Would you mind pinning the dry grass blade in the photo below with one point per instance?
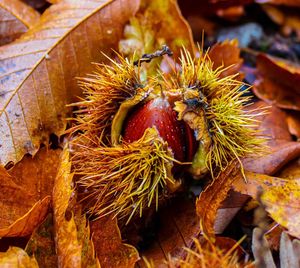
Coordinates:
(37, 78)
(15, 19)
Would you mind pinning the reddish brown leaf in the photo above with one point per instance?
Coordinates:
(211, 198)
(15, 19)
(24, 198)
(17, 258)
(281, 149)
(280, 154)
(109, 248)
(39, 70)
(278, 83)
(226, 54)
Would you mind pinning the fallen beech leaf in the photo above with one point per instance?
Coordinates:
(278, 82)
(38, 71)
(15, 19)
(283, 205)
(24, 198)
(17, 258)
(41, 244)
(109, 248)
(27, 223)
(211, 198)
(226, 54)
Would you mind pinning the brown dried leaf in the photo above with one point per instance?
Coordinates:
(226, 54)
(26, 224)
(211, 198)
(15, 19)
(278, 82)
(38, 71)
(17, 258)
(24, 198)
(42, 245)
(178, 226)
(281, 150)
(109, 247)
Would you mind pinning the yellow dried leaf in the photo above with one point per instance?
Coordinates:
(283, 205)
(17, 258)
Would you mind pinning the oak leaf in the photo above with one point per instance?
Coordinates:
(37, 78)
(25, 194)
(17, 258)
(15, 19)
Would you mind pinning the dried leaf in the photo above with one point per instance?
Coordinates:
(211, 198)
(283, 205)
(178, 226)
(278, 83)
(293, 121)
(39, 70)
(24, 199)
(15, 19)
(256, 183)
(226, 54)
(157, 23)
(42, 245)
(67, 245)
(287, 18)
(27, 223)
(17, 258)
(281, 150)
(109, 247)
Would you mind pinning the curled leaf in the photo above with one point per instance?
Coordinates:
(211, 198)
